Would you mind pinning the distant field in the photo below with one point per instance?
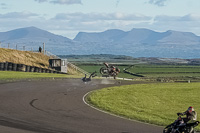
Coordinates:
(164, 69)
(153, 71)
(167, 71)
(100, 59)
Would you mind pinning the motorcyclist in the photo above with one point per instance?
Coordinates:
(191, 116)
(181, 124)
(115, 70)
(110, 70)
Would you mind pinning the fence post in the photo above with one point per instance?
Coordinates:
(43, 48)
(0, 44)
(8, 45)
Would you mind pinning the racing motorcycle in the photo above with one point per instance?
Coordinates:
(180, 127)
(109, 70)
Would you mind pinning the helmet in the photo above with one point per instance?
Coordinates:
(190, 109)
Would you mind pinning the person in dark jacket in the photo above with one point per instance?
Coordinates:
(40, 49)
(191, 116)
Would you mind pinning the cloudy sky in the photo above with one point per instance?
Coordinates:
(68, 17)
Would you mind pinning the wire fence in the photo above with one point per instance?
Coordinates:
(19, 47)
(33, 48)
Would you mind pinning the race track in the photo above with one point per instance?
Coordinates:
(57, 107)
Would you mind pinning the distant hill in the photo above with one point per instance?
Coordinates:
(142, 43)
(32, 38)
(136, 42)
(108, 35)
(31, 34)
(140, 36)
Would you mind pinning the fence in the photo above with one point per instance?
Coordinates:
(19, 47)
(77, 68)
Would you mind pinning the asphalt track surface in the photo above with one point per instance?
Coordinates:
(57, 107)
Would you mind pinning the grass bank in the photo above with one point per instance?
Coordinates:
(24, 57)
(155, 103)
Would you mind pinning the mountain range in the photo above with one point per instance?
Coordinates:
(140, 36)
(136, 42)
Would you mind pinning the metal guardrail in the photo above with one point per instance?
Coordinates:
(52, 55)
(77, 68)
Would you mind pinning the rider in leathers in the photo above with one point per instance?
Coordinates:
(191, 116)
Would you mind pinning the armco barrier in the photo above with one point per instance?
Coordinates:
(9, 66)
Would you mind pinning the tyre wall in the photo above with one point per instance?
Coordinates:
(9, 66)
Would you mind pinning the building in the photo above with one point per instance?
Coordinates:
(58, 64)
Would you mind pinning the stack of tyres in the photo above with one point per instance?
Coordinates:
(14, 67)
(36, 69)
(43, 70)
(10, 66)
(1, 66)
(5, 66)
(47, 71)
(32, 68)
(27, 68)
(21, 67)
(39, 70)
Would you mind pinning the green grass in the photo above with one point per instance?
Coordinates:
(155, 103)
(165, 69)
(7, 75)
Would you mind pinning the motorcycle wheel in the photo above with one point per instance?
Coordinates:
(104, 71)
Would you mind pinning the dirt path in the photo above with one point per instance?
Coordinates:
(57, 107)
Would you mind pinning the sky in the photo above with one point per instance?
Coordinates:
(68, 17)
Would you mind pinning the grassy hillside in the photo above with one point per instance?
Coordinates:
(29, 58)
(24, 57)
